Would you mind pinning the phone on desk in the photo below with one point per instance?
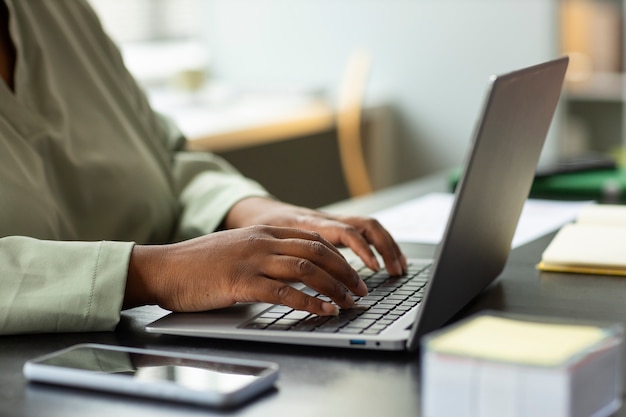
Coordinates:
(195, 379)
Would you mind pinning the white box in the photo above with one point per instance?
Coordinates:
(521, 366)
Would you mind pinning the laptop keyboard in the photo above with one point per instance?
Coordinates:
(389, 298)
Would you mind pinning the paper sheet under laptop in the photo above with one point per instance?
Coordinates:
(423, 220)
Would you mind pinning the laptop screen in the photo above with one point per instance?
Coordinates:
(495, 183)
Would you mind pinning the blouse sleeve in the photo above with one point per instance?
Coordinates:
(208, 187)
(52, 286)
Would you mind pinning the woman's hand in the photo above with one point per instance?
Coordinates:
(357, 233)
(243, 265)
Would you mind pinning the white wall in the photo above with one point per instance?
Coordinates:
(432, 58)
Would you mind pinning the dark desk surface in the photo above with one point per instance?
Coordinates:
(313, 381)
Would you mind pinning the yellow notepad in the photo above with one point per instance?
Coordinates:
(517, 341)
(594, 244)
(522, 366)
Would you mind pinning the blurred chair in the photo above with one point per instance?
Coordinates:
(350, 123)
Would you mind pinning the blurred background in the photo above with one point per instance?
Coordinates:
(324, 99)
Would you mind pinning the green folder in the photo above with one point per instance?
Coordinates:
(603, 185)
(608, 186)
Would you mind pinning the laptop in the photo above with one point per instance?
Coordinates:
(497, 176)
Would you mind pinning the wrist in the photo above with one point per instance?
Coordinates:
(250, 212)
(142, 270)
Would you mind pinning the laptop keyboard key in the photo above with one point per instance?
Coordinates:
(361, 323)
(350, 330)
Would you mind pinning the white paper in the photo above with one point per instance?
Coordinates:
(423, 220)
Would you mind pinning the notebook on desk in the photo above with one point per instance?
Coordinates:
(498, 173)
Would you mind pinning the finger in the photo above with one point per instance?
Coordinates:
(275, 292)
(312, 263)
(292, 233)
(381, 239)
(341, 233)
(359, 234)
(354, 239)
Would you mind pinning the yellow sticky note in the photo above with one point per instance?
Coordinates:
(509, 340)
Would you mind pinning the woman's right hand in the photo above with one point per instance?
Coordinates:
(252, 264)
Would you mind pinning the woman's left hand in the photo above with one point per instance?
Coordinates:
(356, 232)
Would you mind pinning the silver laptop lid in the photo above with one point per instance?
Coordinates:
(495, 183)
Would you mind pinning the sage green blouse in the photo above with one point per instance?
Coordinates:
(86, 170)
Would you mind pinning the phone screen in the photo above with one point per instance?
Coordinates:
(197, 375)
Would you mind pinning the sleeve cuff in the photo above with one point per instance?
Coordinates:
(54, 286)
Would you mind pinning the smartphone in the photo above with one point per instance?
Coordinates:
(195, 379)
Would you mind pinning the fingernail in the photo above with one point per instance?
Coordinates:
(348, 300)
(330, 309)
(375, 264)
(405, 264)
(362, 288)
(400, 267)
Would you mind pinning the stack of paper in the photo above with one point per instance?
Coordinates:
(492, 365)
(424, 219)
(595, 243)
